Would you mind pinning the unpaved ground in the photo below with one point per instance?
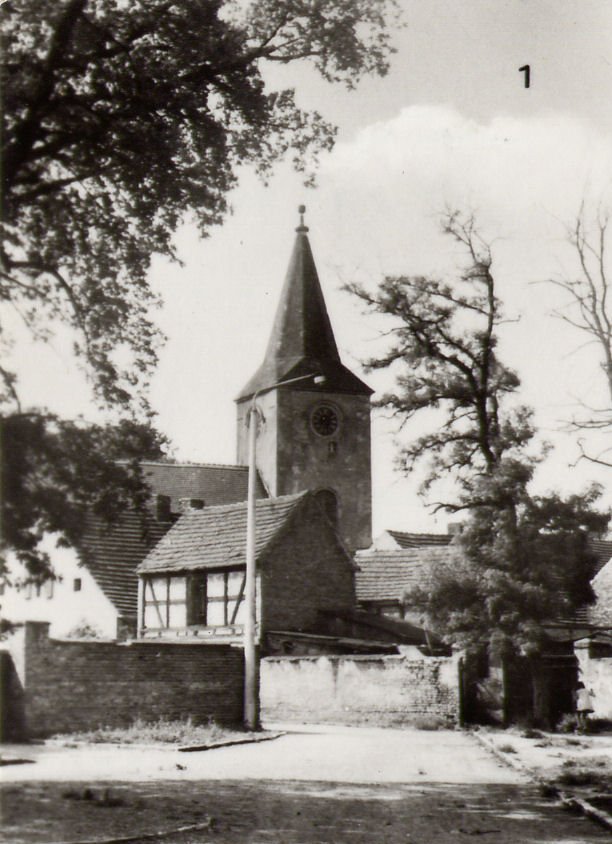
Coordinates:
(291, 813)
(579, 764)
(322, 784)
(331, 754)
(552, 754)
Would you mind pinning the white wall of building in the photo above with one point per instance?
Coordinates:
(601, 611)
(72, 600)
(384, 542)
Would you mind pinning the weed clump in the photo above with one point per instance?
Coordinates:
(162, 731)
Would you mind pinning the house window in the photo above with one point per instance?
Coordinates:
(203, 599)
(165, 602)
(49, 586)
(217, 598)
(76, 584)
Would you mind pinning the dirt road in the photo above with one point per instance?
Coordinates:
(331, 785)
(334, 754)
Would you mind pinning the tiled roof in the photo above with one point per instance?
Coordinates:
(216, 484)
(302, 339)
(216, 536)
(603, 550)
(386, 575)
(418, 540)
(112, 554)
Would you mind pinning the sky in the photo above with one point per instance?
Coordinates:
(451, 125)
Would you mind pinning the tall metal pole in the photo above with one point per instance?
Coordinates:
(251, 715)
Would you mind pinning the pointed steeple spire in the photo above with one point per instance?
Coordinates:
(302, 339)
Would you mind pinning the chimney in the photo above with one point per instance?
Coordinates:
(190, 505)
(163, 509)
(455, 528)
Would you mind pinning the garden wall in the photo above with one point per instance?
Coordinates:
(376, 690)
(595, 671)
(70, 685)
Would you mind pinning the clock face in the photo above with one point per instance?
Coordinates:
(324, 420)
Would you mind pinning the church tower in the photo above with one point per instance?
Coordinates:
(314, 433)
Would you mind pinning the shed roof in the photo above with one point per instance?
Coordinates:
(216, 536)
(419, 540)
(386, 575)
(603, 551)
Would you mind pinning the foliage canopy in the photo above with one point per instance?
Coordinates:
(121, 120)
(521, 559)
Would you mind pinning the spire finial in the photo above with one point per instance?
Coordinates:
(302, 211)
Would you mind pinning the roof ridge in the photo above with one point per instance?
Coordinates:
(189, 465)
(394, 552)
(241, 505)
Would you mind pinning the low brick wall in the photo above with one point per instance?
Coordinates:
(78, 685)
(377, 690)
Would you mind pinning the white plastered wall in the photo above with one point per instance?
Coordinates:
(59, 603)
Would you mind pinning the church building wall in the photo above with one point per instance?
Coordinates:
(292, 457)
(267, 438)
(340, 462)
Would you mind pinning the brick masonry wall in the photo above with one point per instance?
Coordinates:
(387, 691)
(305, 571)
(78, 685)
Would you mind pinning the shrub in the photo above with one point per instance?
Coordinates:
(567, 724)
(162, 731)
(532, 734)
(506, 748)
(430, 722)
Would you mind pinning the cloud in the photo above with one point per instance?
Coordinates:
(553, 155)
(519, 173)
(382, 192)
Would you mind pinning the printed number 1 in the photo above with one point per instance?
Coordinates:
(527, 71)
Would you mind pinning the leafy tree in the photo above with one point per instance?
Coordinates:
(513, 570)
(522, 559)
(55, 472)
(122, 120)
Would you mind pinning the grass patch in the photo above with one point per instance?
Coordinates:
(581, 778)
(100, 797)
(161, 731)
(530, 733)
(430, 722)
(506, 748)
(588, 771)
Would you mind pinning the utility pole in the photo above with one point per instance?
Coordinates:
(251, 696)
